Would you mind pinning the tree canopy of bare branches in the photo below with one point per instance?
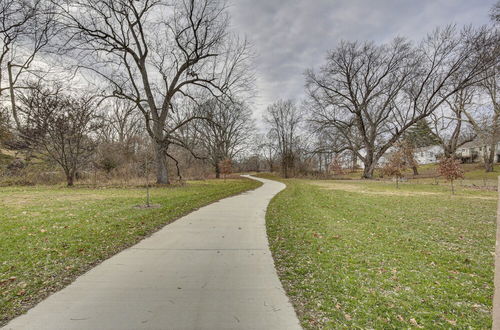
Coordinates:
(284, 119)
(156, 53)
(448, 123)
(225, 132)
(61, 126)
(26, 27)
(372, 94)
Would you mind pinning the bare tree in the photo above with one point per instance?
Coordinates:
(226, 167)
(155, 53)
(336, 165)
(225, 132)
(329, 145)
(378, 92)
(284, 119)
(267, 148)
(35, 106)
(122, 124)
(120, 136)
(396, 165)
(61, 126)
(449, 125)
(451, 169)
(485, 119)
(486, 122)
(355, 93)
(26, 27)
(124, 119)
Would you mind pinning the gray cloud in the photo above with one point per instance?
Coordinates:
(290, 36)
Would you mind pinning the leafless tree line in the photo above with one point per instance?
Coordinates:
(150, 67)
(367, 98)
(225, 133)
(284, 119)
(372, 94)
(121, 78)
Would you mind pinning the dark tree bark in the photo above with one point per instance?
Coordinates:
(161, 164)
(415, 170)
(490, 159)
(217, 171)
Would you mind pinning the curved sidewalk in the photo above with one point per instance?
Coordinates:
(211, 269)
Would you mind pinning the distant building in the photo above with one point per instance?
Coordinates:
(470, 152)
(428, 155)
(476, 151)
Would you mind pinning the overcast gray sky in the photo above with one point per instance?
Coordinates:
(290, 36)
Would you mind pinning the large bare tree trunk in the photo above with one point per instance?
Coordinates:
(369, 162)
(369, 169)
(70, 177)
(70, 180)
(489, 159)
(284, 169)
(217, 170)
(161, 164)
(287, 164)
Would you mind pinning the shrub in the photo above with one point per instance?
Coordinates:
(451, 169)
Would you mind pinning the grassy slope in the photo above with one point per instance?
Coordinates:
(365, 255)
(49, 235)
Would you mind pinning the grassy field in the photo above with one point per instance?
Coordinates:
(49, 235)
(357, 254)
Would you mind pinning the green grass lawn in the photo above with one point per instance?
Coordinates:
(49, 235)
(357, 254)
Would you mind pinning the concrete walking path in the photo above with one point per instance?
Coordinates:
(211, 269)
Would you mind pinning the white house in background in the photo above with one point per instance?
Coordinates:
(470, 152)
(428, 155)
(476, 151)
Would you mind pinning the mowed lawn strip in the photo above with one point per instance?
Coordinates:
(50, 235)
(354, 254)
